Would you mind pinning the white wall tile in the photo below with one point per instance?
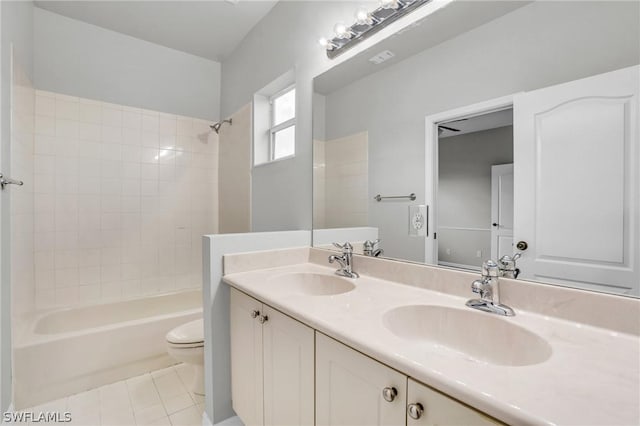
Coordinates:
(90, 113)
(45, 125)
(111, 116)
(116, 193)
(45, 105)
(66, 109)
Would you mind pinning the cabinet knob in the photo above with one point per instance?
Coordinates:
(415, 410)
(255, 313)
(263, 319)
(522, 245)
(389, 393)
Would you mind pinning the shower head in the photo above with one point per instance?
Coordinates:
(216, 127)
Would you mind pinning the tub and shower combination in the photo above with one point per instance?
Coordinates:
(65, 351)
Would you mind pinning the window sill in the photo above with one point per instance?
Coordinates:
(288, 157)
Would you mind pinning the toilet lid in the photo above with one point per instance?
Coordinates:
(187, 334)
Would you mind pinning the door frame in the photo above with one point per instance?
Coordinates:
(431, 159)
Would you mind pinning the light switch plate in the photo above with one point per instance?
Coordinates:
(418, 220)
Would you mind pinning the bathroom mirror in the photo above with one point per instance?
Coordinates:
(466, 144)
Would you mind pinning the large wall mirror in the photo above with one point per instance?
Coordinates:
(519, 135)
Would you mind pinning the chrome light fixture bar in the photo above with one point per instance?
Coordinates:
(366, 24)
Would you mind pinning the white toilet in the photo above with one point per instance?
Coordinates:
(186, 344)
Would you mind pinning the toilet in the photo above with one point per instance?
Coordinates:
(185, 343)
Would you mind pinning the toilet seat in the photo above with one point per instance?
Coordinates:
(189, 335)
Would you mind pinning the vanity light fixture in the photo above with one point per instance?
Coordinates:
(366, 24)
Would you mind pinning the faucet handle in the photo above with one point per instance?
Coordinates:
(508, 265)
(346, 247)
(490, 269)
(368, 244)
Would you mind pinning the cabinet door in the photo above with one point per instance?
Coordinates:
(439, 409)
(349, 387)
(288, 348)
(246, 358)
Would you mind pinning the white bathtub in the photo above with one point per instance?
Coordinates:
(63, 352)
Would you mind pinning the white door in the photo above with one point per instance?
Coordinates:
(288, 347)
(501, 210)
(439, 409)
(349, 388)
(246, 358)
(576, 158)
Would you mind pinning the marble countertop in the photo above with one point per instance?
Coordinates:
(591, 377)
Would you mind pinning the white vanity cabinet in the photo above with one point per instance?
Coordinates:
(272, 365)
(434, 408)
(350, 386)
(353, 389)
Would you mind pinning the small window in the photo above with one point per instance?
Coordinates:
(283, 124)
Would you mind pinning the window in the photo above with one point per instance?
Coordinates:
(274, 120)
(282, 129)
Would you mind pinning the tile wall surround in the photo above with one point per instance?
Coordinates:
(341, 182)
(234, 173)
(122, 198)
(319, 185)
(21, 198)
(611, 312)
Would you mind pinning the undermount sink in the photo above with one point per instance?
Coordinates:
(481, 336)
(312, 284)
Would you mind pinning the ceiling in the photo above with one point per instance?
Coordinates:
(479, 123)
(211, 29)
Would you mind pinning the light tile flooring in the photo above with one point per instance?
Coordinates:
(158, 398)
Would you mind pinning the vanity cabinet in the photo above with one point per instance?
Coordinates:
(272, 365)
(436, 408)
(353, 389)
(350, 386)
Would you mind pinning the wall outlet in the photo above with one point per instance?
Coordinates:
(479, 253)
(418, 221)
(448, 251)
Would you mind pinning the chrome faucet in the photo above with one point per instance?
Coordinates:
(345, 260)
(369, 248)
(488, 289)
(507, 265)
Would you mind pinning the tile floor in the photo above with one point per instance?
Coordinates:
(158, 398)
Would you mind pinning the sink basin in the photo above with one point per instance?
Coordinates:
(481, 336)
(312, 284)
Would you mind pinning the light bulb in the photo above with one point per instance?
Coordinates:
(389, 4)
(341, 30)
(324, 42)
(363, 17)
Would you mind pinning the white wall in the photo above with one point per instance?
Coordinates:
(16, 23)
(538, 45)
(84, 60)
(287, 38)
(216, 309)
(122, 198)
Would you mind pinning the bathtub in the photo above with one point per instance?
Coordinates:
(66, 351)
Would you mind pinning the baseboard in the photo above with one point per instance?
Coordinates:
(231, 421)
(206, 421)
